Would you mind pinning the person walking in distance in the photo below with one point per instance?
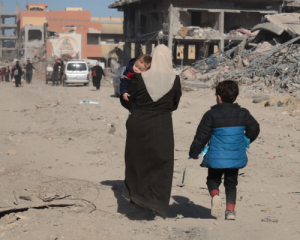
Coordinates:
(17, 74)
(61, 71)
(12, 72)
(7, 71)
(97, 73)
(55, 75)
(2, 73)
(29, 68)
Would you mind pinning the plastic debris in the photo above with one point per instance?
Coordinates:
(89, 102)
(179, 216)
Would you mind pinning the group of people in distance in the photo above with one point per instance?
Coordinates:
(15, 72)
(151, 91)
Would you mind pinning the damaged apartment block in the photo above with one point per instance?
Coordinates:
(8, 33)
(191, 28)
(31, 42)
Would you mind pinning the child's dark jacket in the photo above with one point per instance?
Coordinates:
(224, 127)
(128, 75)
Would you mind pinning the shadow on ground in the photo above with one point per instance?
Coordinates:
(182, 205)
(188, 209)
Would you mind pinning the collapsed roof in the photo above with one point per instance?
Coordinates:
(279, 23)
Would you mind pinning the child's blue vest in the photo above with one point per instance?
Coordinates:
(226, 149)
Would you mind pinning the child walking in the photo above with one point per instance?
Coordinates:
(136, 65)
(224, 127)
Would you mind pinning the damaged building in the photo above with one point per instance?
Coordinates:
(289, 6)
(71, 34)
(8, 33)
(191, 28)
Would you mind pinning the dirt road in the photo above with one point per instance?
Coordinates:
(62, 166)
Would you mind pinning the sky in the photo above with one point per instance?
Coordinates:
(98, 8)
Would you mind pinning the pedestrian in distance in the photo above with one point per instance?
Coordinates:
(7, 72)
(12, 72)
(2, 74)
(62, 65)
(97, 73)
(29, 68)
(56, 73)
(224, 127)
(17, 74)
(149, 152)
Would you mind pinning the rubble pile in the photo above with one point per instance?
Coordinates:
(207, 32)
(278, 67)
(273, 63)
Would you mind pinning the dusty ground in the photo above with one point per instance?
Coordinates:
(54, 149)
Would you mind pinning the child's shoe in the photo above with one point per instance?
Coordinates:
(216, 206)
(229, 215)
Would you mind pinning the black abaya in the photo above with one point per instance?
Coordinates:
(149, 153)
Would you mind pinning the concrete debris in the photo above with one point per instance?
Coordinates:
(12, 152)
(271, 64)
(279, 23)
(210, 33)
(259, 99)
(199, 32)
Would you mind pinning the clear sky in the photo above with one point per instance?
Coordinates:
(98, 8)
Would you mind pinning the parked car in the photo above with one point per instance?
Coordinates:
(76, 72)
(116, 80)
(49, 72)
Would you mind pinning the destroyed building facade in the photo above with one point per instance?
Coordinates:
(8, 33)
(291, 6)
(72, 33)
(191, 28)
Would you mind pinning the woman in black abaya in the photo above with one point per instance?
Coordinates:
(149, 153)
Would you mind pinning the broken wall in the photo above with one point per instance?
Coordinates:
(144, 17)
(31, 42)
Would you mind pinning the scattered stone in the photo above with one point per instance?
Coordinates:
(279, 104)
(112, 129)
(271, 104)
(12, 152)
(259, 99)
(266, 210)
(269, 220)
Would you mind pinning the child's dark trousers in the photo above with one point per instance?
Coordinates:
(214, 179)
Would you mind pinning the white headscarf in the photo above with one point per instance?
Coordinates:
(159, 79)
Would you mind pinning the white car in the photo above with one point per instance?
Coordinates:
(76, 72)
(116, 80)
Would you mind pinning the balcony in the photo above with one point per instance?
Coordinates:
(2, 37)
(7, 26)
